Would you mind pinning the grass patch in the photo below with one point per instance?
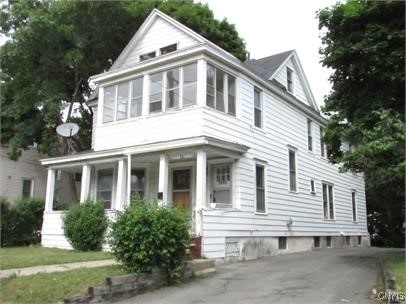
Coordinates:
(18, 257)
(53, 287)
(396, 264)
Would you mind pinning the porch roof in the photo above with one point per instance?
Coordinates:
(190, 142)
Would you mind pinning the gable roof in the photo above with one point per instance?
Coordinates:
(267, 66)
(145, 26)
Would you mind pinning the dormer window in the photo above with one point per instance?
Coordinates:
(168, 49)
(289, 77)
(147, 56)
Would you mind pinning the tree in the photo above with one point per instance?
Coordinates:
(55, 46)
(364, 42)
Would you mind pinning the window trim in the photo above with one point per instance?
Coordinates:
(32, 180)
(354, 213)
(294, 150)
(323, 150)
(289, 83)
(312, 186)
(328, 185)
(261, 100)
(264, 167)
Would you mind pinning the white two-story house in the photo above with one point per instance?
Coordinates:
(237, 144)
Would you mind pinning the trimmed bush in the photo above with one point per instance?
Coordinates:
(146, 236)
(21, 222)
(85, 225)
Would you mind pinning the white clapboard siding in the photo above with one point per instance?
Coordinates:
(281, 77)
(160, 34)
(283, 125)
(155, 128)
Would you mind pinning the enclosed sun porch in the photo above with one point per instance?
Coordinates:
(192, 174)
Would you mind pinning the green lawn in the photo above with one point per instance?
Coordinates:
(18, 257)
(396, 264)
(53, 287)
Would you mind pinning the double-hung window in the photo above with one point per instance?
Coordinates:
(221, 177)
(122, 100)
(138, 182)
(105, 187)
(109, 103)
(136, 97)
(354, 206)
(292, 170)
(172, 88)
(322, 145)
(328, 202)
(189, 84)
(257, 107)
(220, 90)
(28, 188)
(309, 135)
(260, 188)
(155, 93)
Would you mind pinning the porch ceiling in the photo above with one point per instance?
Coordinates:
(214, 147)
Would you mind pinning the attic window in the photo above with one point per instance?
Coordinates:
(147, 56)
(289, 77)
(168, 49)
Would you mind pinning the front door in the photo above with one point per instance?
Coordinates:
(181, 188)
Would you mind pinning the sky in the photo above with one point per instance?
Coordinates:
(273, 26)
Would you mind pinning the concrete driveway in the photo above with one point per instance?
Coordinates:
(323, 276)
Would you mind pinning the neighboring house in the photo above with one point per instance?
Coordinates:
(178, 119)
(22, 178)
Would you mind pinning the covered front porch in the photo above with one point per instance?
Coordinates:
(192, 174)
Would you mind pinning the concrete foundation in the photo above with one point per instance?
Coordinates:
(255, 247)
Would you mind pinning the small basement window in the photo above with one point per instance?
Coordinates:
(359, 240)
(282, 243)
(328, 241)
(168, 49)
(348, 240)
(317, 242)
(147, 56)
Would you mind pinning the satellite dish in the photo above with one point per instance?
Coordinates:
(67, 129)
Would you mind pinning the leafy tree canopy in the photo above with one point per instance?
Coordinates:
(55, 46)
(364, 43)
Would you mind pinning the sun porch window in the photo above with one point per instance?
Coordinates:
(138, 183)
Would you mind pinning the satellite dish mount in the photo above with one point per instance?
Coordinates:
(68, 130)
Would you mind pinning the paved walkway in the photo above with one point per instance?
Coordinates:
(54, 268)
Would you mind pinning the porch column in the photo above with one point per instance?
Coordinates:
(120, 185)
(128, 193)
(201, 184)
(85, 184)
(49, 198)
(163, 179)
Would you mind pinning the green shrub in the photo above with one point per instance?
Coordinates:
(21, 222)
(85, 225)
(146, 236)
